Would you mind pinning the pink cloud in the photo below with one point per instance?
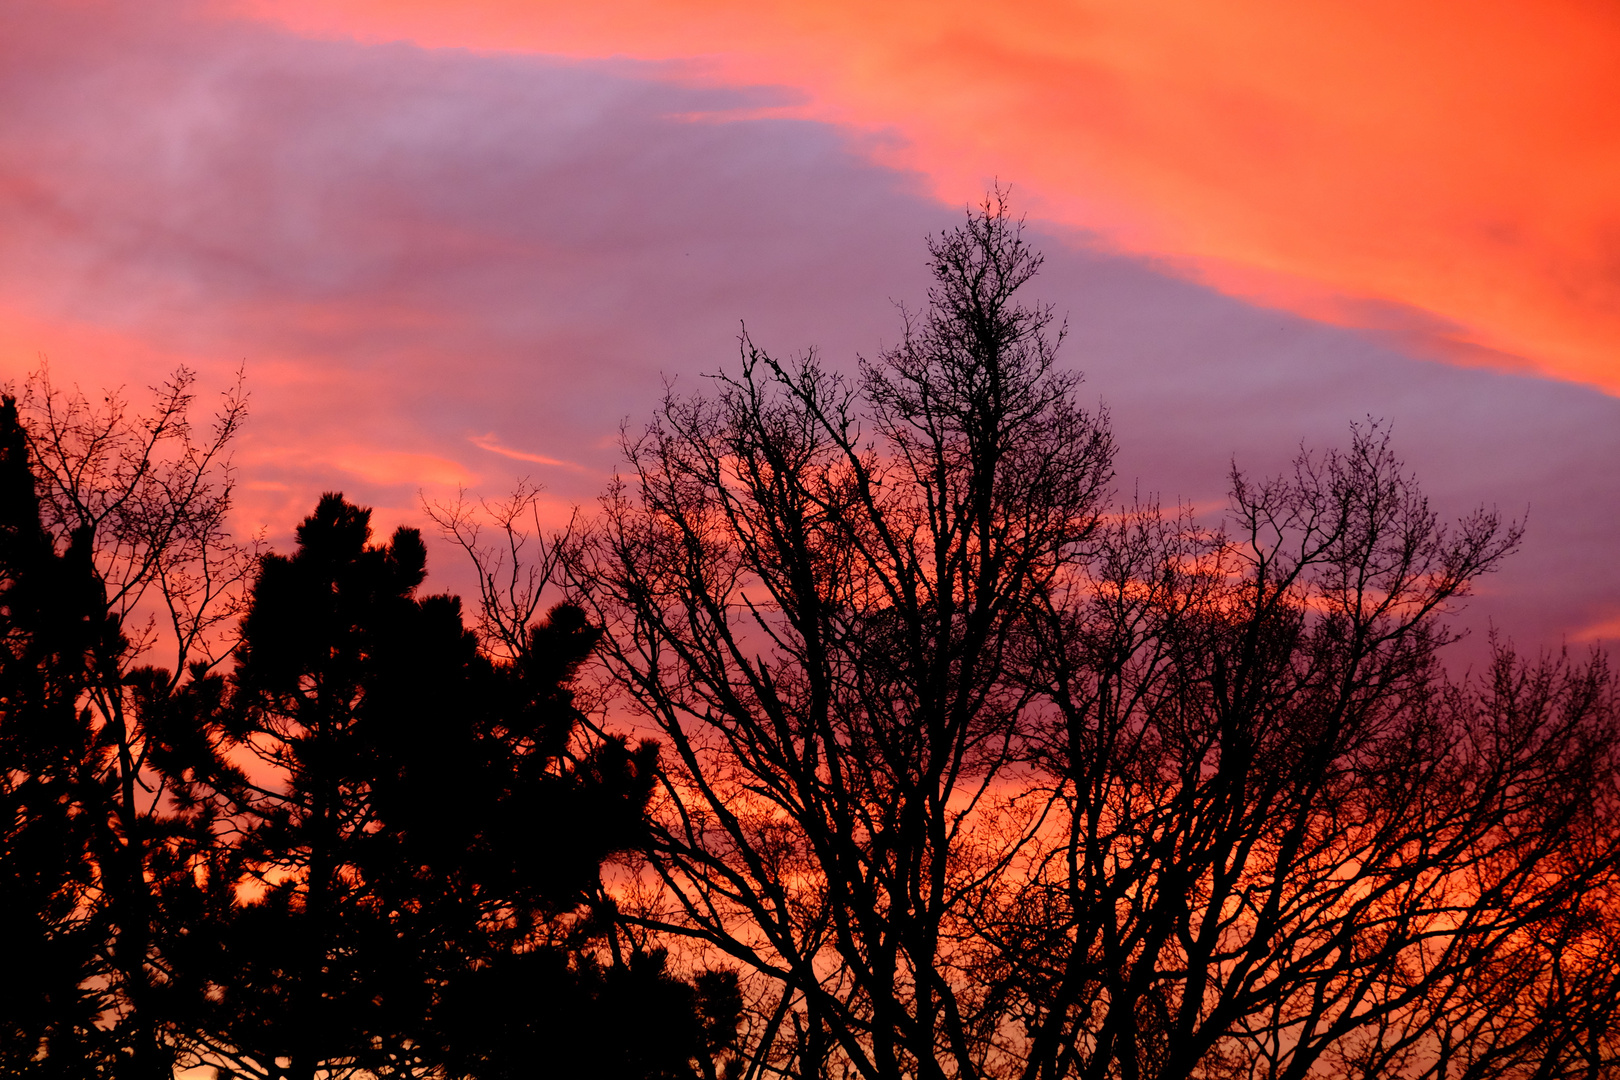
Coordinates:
(1452, 158)
(405, 246)
(493, 445)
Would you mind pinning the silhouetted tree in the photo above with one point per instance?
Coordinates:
(1284, 844)
(52, 623)
(544, 1013)
(964, 773)
(118, 520)
(814, 592)
(972, 780)
(424, 853)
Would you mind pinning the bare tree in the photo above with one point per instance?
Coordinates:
(1292, 847)
(147, 496)
(971, 779)
(813, 589)
(514, 570)
(153, 493)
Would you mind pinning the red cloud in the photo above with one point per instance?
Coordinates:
(1455, 161)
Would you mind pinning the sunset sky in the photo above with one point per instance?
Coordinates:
(453, 244)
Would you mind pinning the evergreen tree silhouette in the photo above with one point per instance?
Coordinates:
(427, 864)
(114, 544)
(52, 624)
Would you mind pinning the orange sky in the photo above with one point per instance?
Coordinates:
(1445, 172)
(468, 262)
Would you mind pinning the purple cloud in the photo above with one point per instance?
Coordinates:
(444, 267)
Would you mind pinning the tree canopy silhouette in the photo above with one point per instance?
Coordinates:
(346, 840)
(115, 545)
(962, 769)
(428, 859)
(975, 775)
(52, 624)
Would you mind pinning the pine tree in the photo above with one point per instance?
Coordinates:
(52, 625)
(428, 857)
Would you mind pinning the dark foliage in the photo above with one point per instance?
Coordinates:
(538, 1014)
(966, 772)
(52, 625)
(341, 857)
(429, 858)
(117, 547)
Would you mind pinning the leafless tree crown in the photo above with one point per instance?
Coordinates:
(971, 775)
